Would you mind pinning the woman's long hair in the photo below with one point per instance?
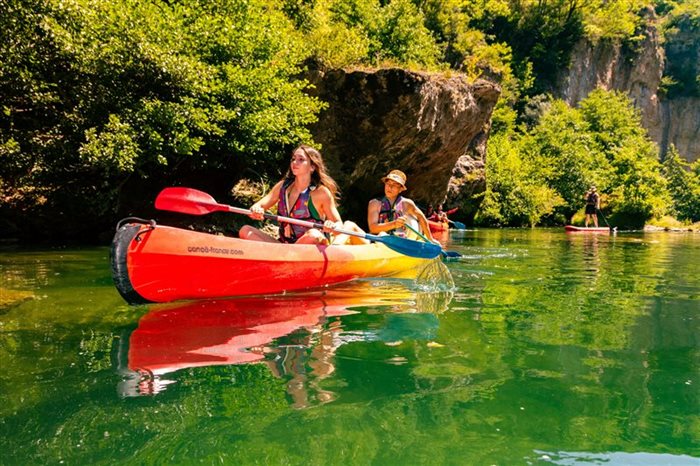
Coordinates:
(320, 176)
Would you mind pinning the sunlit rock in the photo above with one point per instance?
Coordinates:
(425, 124)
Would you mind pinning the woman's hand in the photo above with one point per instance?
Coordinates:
(399, 222)
(329, 226)
(256, 212)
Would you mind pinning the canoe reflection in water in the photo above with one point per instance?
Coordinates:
(296, 336)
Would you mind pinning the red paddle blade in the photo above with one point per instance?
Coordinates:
(187, 201)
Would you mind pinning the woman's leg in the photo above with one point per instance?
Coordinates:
(342, 238)
(253, 234)
(313, 236)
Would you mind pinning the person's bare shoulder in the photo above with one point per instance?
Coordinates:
(321, 193)
(408, 202)
(373, 208)
(277, 187)
(374, 204)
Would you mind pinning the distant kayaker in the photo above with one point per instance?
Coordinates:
(439, 215)
(307, 192)
(592, 205)
(391, 212)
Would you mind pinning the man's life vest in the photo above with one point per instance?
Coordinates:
(389, 212)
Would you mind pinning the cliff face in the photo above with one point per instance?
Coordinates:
(638, 73)
(431, 127)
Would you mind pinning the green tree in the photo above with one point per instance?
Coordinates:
(98, 94)
(681, 30)
(618, 20)
(545, 171)
(516, 192)
(636, 189)
(333, 41)
(394, 32)
(541, 34)
(567, 154)
(684, 184)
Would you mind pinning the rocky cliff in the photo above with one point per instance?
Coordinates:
(637, 72)
(432, 127)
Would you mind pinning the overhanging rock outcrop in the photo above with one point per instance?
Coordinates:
(431, 126)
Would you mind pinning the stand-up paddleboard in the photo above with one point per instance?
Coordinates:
(573, 228)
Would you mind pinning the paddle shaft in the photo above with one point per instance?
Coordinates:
(295, 221)
(416, 232)
(604, 219)
(304, 223)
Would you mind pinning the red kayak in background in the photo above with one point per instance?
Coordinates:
(438, 226)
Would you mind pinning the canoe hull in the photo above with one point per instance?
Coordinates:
(438, 226)
(160, 264)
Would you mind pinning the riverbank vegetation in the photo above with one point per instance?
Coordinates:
(104, 102)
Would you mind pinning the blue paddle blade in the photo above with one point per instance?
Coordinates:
(458, 225)
(407, 246)
(445, 254)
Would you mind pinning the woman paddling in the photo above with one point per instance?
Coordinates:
(307, 192)
(438, 215)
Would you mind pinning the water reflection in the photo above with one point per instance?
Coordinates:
(296, 336)
(590, 246)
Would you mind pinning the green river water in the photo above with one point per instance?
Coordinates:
(547, 348)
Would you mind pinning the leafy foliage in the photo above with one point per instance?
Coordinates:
(553, 164)
(681, 28)
(100, 99)
(516, 191)
(612, 20)
(684, 184)
(368, 32)
(636, 188)
(97, 92)
(566, 155)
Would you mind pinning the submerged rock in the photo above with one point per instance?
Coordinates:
(10, 298)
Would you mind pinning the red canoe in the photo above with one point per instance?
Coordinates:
(156, 263)
(438, 226)
(573, 228)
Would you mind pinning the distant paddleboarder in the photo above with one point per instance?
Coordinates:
(592, 205)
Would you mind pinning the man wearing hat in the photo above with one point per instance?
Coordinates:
(592, 205)
(391, 212)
